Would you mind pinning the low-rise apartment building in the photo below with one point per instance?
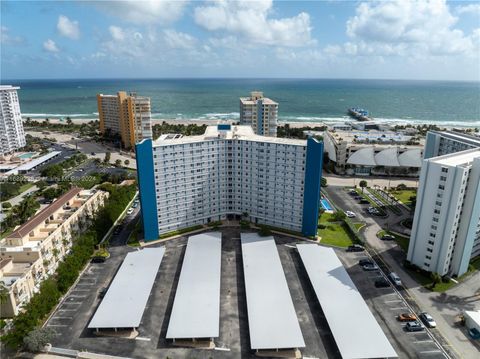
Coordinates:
(373, 153)
(32, 252)
(229, 172)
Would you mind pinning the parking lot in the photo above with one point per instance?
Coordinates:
(72, 317)
(386, 304)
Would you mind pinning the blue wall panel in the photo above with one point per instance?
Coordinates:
(311, 193)
(146, 184)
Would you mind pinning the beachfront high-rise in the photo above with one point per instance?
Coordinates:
(12, 136)
(228, 172)
(446, 227)
(126, 115)
(260, 113)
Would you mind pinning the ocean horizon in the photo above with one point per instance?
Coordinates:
(444, 103)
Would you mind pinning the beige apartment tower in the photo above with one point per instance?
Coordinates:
(259, 112)
(126, 115)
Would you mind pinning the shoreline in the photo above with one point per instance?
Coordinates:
(293, 124)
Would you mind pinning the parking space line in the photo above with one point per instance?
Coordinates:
(394, 301)
(77, 296)
(424, 341)
(143, 338)
(66, 310)
(289, 246)
(398, 308)
(81, 290)
(430, 351)
(57, 325)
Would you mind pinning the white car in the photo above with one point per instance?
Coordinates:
(130, 211)
(395, 279)
(428, 320)
(350, 214)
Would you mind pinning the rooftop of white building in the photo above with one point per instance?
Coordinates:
(370, 137)
(225, 132)
(8, 87)
(463, 158)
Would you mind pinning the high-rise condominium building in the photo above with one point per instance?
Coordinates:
(12, 136)
(446, 227)
(126, 115)
(441, 143)
(260, 113)
(229, 172)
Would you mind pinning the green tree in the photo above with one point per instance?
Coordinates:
(363, 184)
(323, 182)
(339, 216)
(25, 209)
(118, 163)
(52, 171)
(3, 292)
(126, 162)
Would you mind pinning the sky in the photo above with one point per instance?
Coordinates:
(398, 39)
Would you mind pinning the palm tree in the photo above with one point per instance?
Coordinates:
(363, 184)
(4, 294)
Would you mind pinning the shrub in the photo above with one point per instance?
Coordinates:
(36, 340)
(264, 231)
(322, 226)
(6, 205)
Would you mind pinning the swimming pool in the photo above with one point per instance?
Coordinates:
(27, 155)
(326, 205)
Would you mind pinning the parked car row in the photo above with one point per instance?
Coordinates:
(415, 324)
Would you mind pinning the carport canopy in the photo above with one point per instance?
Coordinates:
(127, 296)
(196, 308)
(355, 329)
(272, 320)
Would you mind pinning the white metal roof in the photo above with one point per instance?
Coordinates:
(125, 300)
(272, 320)
(364, 156)
(355, 329)
(196, 309)
(411, 158)
(34, 163)
(387, 157)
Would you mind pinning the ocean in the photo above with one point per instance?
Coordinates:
(300, 100)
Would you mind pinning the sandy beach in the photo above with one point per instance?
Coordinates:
(178, 122)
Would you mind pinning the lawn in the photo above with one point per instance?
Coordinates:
(401, 240)
(24, 187)
(359, 225)
(335, 234)
(404, 195)
(426, 281)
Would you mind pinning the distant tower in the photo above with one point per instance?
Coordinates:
(259, 112)
(12, 136)
(126, 115)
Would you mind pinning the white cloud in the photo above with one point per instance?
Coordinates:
(144, 12)
(397, 27)
(50, 46)
(7, 39)
(178, 40)
(68, 28)
(473, 9)
(251, 20)
(116, 33)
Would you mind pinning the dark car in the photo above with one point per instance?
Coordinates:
(382, 283)
(387, 237)
(428, 320)
(415, 326)
(364, 261)
(102, 292)
(352, 192)
(358, 197)
(364, 201)
(98, 259)
(355, 248)
(92, 153)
